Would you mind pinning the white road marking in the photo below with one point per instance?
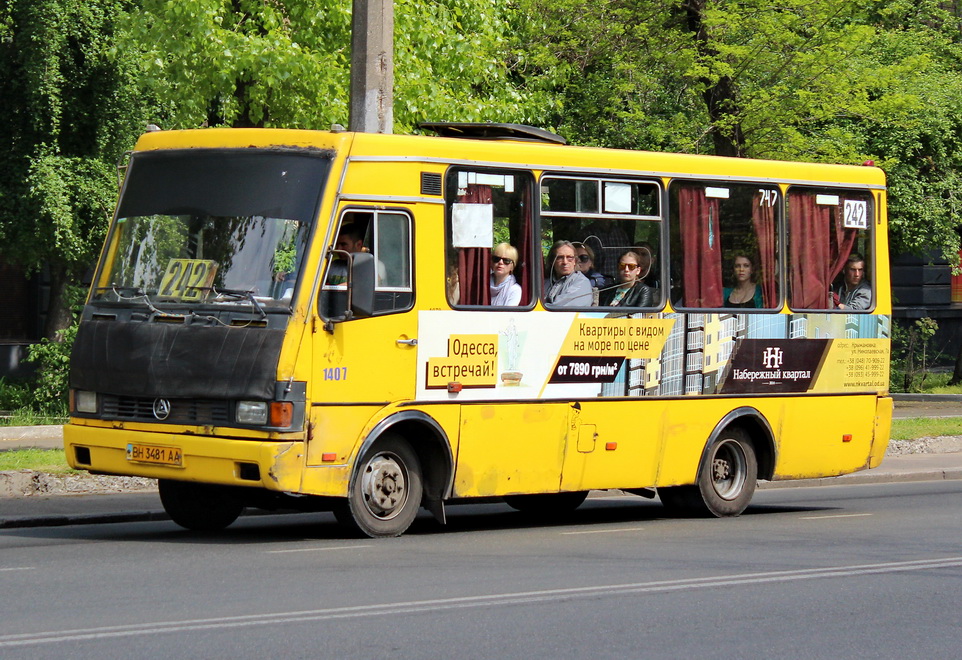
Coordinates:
(840, 515)
(604, 531)
(464, 602)
(18, 568)
(343, 547)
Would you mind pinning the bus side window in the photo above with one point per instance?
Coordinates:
(724, 245)
(829, 240)
(485, 209)
(606, 221)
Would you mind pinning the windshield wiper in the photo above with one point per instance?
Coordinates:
(236, 294)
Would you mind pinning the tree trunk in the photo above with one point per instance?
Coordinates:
(59, 316)
(719, 95)
(957, 373)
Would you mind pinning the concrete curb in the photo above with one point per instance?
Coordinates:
(30, 483)
(20, 522)
(41, 432)
(930, 398)
(935, 474)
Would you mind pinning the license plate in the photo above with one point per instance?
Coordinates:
(155, 454)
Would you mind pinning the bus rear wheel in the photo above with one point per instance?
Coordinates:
(200, 507)
(386, 491)
(726, 481)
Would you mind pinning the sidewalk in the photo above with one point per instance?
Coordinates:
(79, 509)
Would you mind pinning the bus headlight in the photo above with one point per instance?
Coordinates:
(85, 401)
(251, 412)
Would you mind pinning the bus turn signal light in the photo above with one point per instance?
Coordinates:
(847, 437)
(454, 387)
(611, 446)
(282, 413)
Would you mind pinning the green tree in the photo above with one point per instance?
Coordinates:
(286, 62)
(69, 108)
(816, 80)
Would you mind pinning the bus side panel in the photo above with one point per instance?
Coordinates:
(339, 434)
(883, 430)
(336, 433)
(687, 428)
(825, 436)
(613, 445)
(509, 448)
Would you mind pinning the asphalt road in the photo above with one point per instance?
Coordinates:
(854, 571)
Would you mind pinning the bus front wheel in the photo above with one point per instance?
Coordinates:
(386, 491)
(726, 481)
(200, 507)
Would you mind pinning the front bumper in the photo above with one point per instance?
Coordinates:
(206, 459)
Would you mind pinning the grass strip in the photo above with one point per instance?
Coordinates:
(913, 428)
(51, 461)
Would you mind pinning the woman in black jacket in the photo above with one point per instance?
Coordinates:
(631, 291)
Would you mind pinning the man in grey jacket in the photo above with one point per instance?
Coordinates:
(854, 293)
(565, 285)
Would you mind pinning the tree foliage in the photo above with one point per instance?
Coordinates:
(69, 109)
(818, 80)
(286, 62)
(822, 80)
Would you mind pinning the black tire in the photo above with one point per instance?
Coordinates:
(386, 490)
(681, 500)
(548, 504)
(726, 480)
(200, 507)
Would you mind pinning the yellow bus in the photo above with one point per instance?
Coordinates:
(371, 324)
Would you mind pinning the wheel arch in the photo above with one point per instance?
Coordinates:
(759, 432)
(429, 442)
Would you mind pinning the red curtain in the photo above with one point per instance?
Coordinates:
(701, 243)
(818, 246)
(522, 269)
(843, 240)
(763, 218)
(474, 264)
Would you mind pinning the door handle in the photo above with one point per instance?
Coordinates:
(408, 342)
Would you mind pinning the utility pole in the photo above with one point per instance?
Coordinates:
(372, 66)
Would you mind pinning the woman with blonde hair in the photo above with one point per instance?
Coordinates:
(505, 290)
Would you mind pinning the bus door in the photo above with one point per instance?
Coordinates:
(361, 364)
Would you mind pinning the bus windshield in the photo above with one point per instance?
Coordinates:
(195, 229)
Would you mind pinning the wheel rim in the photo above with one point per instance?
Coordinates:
(728, 470)
(384, 486)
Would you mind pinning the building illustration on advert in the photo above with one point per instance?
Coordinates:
(700, 355)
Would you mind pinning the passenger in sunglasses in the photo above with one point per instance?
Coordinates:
(586, 264)
(505, 290)
(631, 290)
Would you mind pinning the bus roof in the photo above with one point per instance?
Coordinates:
(536, 155)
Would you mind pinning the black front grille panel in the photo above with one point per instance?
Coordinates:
(182, 411)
